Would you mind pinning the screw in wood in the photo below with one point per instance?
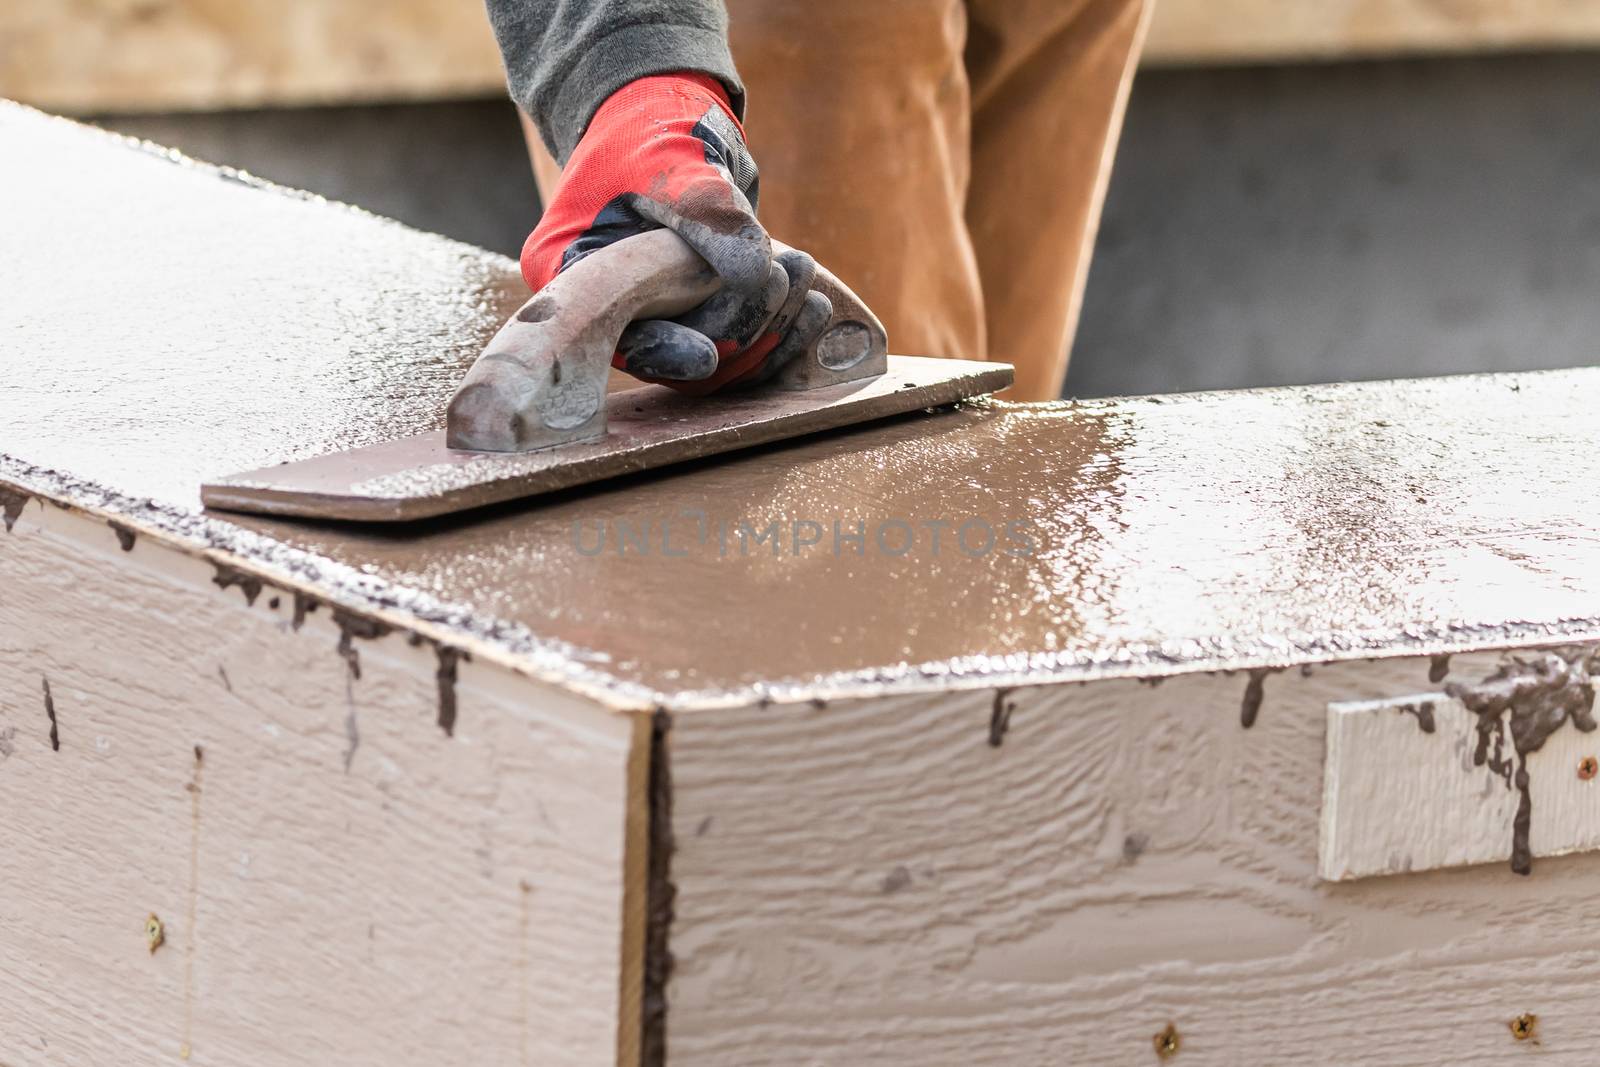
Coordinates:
(1167, 1042)
(154, 932)
(1588, 767)
(1524, 1026)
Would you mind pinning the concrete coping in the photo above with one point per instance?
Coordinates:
(165, 321)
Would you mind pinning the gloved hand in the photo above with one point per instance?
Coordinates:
(667, 151)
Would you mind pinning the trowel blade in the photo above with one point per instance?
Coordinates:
(650, 426)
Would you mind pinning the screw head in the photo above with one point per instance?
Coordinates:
(1167, 1042)
(1524, 1026)
(154, 933)
(1588, 767)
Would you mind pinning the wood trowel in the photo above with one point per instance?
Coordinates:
(541, 408)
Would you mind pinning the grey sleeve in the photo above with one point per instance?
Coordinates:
(564, 57)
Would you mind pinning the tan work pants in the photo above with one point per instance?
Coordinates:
(946, 158)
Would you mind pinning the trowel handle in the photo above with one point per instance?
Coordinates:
(853, 346)
(541, 381)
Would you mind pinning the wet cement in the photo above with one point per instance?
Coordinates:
(1530, 698)
(164, 323)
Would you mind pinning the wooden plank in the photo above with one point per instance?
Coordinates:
(876, 879)
(649, 427)
(1404, 789)
(340, 878)
(202, 54)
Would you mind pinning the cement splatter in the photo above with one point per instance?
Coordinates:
(895, 880)
(222, 672)
(1423, 713)
(1000, 717)
(1438, 667)
(1254, 690)
(449, 664)
(1133, 846)
(50, 711)
(8, 745)
(352, 730)
(1532, 697)
(227, 577)
(303, 606)
(125, 534)
(351, 627)
(12, 501)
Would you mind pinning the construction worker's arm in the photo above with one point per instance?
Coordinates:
(640, 103)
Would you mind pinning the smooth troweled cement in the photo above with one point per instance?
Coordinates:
(163, 322)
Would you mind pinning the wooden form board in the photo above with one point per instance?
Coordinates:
(887, 806)
(1412, 784)
(361, 846)
(109, 55)
(875, 881)
(1063, 880)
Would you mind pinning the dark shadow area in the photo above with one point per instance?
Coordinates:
(1364, 220)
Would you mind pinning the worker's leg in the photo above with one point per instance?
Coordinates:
(858, 119)
(1049, 83)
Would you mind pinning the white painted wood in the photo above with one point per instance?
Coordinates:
(867, 881)
(872, 882)
(340, 882)
(1397, 798)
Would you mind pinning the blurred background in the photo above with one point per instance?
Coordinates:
(1306, 190)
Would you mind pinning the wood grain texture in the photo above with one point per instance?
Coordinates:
(340, 880)
(151, 55)
(876, 882)
(1400, 798)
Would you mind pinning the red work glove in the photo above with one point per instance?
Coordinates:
(667, 151)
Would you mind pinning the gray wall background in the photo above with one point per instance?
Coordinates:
(1265, 226)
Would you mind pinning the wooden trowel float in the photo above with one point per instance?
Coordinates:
(541, 409)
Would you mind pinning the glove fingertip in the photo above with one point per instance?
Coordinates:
(814, 316)
(666, 351)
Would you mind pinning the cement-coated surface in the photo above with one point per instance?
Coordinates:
(456, 167)
(205, 327)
